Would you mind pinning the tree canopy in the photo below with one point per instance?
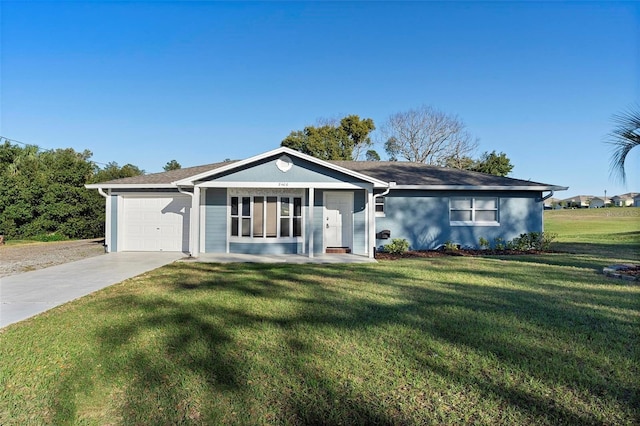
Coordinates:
(493, 164)
(42, 192)
(427, 135)
(345, 140)
(172, 165)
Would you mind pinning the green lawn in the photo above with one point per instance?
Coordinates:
(610, 232)
(499, 340)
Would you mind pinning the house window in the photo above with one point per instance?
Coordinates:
(266, 216)
(473, 211)
(379, 201)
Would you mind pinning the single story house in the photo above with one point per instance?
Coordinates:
(624, 200)
(577, 202)
(286, 202)
(636, 201)
(599, 202)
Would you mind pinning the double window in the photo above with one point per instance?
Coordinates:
(473, 210)
(266, 216)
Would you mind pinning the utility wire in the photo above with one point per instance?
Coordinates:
(4, 138)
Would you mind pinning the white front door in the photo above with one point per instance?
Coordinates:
(338, 219)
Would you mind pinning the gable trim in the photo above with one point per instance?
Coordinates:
(191, 181)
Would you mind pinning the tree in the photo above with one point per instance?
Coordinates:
(112, 171)
(624, 137)
(42, 192)
(372, 155)
(330, 141)
(172, 165)
(427, 135)
(493, 164)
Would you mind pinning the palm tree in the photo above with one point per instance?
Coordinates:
(624, 137)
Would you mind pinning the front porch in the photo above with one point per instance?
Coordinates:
(277, 258)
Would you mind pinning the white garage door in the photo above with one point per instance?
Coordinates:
(156, 223)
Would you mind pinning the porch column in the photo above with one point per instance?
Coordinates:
(371, 240)
(194, 225)
(311, 200)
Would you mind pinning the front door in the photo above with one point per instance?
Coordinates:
(338, 219)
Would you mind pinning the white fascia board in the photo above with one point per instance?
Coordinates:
(482, 187)
(281, 185)
(282, 150)
(131, 186)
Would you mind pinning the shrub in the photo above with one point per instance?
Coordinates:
(484, 243)
(451, 246)
(532, 241)
(499, 244)
(397, 246)
(47, 238)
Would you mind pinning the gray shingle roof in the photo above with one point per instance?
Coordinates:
(403, 173)
(166, 177)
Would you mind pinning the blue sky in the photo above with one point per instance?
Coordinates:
(147, 82)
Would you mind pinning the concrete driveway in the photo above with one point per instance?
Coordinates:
(25, 295)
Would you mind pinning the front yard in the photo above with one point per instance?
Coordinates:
(521, 340)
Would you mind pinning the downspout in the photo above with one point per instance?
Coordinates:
(382, 194)
(107, 220)
(191, 239)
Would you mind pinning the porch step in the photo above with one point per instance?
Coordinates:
(333, 250)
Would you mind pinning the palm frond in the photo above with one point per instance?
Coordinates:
(624, 137)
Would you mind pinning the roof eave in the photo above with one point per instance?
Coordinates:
(483, 187)
(130, 186)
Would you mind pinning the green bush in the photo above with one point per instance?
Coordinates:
(451, 246)
(532, 241)
(46, 238)
(397, 246)
(484, 243)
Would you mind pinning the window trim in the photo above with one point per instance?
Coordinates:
(380, 201)
(473, 209)
(264, 238)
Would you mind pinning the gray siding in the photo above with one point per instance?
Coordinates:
(265, 248)
(359, 222)
(215, 220)
(422, 218)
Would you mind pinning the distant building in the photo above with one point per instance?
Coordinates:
(624, 200)
(599, 202)
(577, 202)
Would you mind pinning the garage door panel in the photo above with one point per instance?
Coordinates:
(156, 223)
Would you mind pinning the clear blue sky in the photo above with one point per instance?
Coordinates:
(147, 82)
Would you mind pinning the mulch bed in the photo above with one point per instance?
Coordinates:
(461, 252)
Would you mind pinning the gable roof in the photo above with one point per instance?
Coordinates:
(282, 151)
(406, 175)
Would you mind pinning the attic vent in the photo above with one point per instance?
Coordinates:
(284, 163)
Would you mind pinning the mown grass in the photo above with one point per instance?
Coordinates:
(607, 232)
(522, 340)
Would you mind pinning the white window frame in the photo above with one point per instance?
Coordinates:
(473, 209)
(380, 201)
(264, 194)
